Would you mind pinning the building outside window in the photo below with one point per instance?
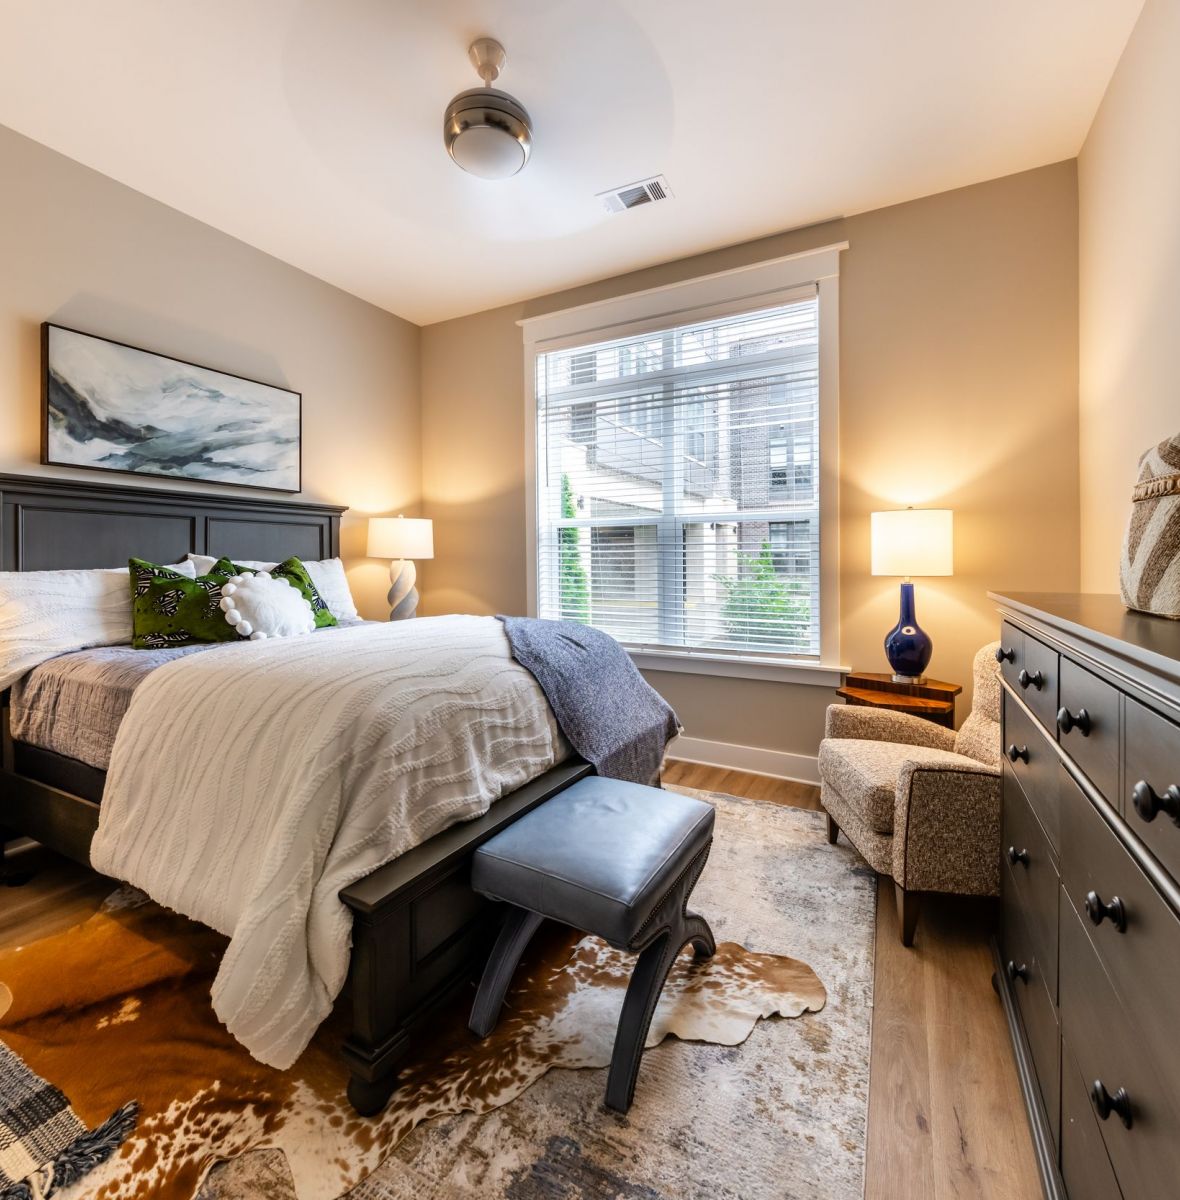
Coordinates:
(678, 484)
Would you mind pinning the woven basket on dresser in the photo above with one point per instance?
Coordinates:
(1149, 577)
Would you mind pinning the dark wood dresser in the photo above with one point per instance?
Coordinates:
(1088, 956)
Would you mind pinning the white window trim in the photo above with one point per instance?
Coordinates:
(763, 284)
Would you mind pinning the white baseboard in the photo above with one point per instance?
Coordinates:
(803, 768)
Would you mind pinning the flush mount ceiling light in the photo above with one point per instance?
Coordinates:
(486, 131)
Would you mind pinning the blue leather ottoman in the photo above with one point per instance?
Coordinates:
(614, 859)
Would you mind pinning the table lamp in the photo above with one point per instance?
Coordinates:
(911, 541)
(401, 540)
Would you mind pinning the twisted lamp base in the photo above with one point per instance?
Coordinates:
(403, 595)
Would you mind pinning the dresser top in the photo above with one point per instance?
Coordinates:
(1101, 623)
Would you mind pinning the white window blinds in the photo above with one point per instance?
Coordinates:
(678, 477)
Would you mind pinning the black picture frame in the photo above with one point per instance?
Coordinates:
(49, 459)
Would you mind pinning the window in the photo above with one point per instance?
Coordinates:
(791, 549)
(780, 458)
(791, 449)
(696, 439)
(582, 367)
(677, 466)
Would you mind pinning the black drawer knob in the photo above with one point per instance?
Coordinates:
(1149, 803)
(1017, 856)
(1015, 972)
(1003, 655)
(1017, 752)
(1079, 721)
(1115, 912)
(1036, 679)
(1105, 1104)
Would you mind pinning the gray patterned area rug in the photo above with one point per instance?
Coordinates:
(779, 1117)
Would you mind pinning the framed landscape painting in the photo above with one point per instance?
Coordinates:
(112, 407)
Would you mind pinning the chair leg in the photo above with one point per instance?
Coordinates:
(908, 904)
(833, 830)
(515, 935)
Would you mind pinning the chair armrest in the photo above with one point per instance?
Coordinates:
(881, 725)
(946, 828)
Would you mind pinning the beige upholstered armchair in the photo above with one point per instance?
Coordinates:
(920, 802)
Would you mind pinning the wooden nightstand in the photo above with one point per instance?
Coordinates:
(931, 699)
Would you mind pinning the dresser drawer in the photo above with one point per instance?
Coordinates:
(1151, 800)
(1032, 760)
(1142, 961)
(1011, 652)
(1038, 1012)
(1031, 876)
(1085, 1165)
(1037, 680)
(1113, 1052)
(1088, 727)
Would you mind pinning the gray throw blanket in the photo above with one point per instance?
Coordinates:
(609, 713)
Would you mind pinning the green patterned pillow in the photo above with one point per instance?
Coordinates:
(295, 573)
(169, 609)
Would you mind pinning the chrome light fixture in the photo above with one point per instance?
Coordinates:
(486, 131)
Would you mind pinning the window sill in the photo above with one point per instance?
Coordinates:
(776, 670)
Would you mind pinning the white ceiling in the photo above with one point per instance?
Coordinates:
(312, 128)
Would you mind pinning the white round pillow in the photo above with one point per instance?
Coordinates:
(259, 606)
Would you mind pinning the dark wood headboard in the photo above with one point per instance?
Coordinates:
(49, 524)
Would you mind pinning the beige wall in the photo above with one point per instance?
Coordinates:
(958, 389)
(1129, 199)
(82, 250)
(958, 365)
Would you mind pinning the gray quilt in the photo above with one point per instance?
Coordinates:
(609, 713)
(74, 704)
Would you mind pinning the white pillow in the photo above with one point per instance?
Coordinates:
(260, 606)
(326, 573)
(46, 613)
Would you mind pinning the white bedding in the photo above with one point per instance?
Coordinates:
(47, 613)
(248, 786)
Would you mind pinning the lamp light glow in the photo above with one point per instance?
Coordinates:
(401, 537)
(401, 540)
(908, 542)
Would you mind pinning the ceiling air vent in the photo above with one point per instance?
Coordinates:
(646, 191)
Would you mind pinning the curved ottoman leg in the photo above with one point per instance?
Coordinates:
(697, 931)
(515, 934)
(639, 1005)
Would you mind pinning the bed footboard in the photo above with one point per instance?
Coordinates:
(419, 935)
(419, 932)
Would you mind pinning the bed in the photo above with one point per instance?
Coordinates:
(419, 933)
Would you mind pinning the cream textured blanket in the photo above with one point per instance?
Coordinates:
(250, 784)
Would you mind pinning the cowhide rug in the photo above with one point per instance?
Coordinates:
(118, 1008)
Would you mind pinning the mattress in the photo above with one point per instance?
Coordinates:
(73, 704)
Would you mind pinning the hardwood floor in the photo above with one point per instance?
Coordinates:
(59, 894)
(741, 783)
(945, 1113)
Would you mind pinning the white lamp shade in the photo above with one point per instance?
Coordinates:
(913, 541)
(401, 537)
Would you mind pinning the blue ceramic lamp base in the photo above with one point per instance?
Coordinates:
(907, 646)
